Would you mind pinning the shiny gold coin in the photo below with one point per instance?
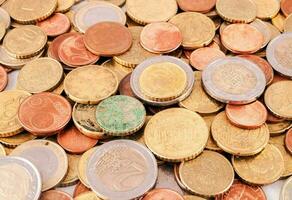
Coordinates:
(279, 142)
(136, 54)
(211, 144)
(90, 84)
(261, 169)
(2, 150)
(278, 128)
(199, 101)
(237, 141)
(278, 99)
(176, 134)
(72, 175)
(82, 165)
(197, 174)
(163, 81)
(267, 9)
(197, 29)
(119, 70)
(87, 196)
(16, 140)
(240, 11)
(9, 104)
(144, 12)
(278, 21)
(40, 75)
(64, 5)
(288, 24)
(26, 12)
(192, 197)
(25, 41)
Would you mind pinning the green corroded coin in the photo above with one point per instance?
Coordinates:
(120, 115)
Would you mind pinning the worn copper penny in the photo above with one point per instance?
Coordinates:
(160, 37)
(44, 113)
(263, 65)
(200, 58)
(79, 189)
(125, 87)
(202, 6)
(162, 194)
(286, 7)
(73, 53)
(74, 141)
(3, 78)
(56, 25)
(241, 191)
(288, 141)
(108, 39)
(55, 195)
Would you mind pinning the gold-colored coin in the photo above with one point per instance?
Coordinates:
(26, 12)
(25, 41)
(286, 191)
(197, 29)
(288, 24)
(82, 165)
(192, 197)
(196, 174)
(40, 75)
(278, 128)
(72, 175)
(240, 11)
(59, 89)
(16, 140)
(120, 70)
(176, 134)
(163, 81)
(261, 169)
(116, 2)
(237, 141)
(9, 104)
(274, 30)
(136, 54)
(64, 5)
(278, 98)
(278, 21)
(2, 150)
(90, 84)
(267, 9)
(199, 101)
(2, 30)
(211, 144)
(87, 196)
(145, 12)
(279, 142)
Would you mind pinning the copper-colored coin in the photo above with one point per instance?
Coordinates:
(108, 39)
(242, 38)
(241, 191)
(248, 116)
(3, 78)
(125, 87)
(73, 53)
(57, 24)
(160, 37)
(79, 189)
(286, 7)
(202, 6)
(263, 65)
(74, 141)
(200, 58)
(55, 195)
(288, 141)
(44, 113)
(162, 194)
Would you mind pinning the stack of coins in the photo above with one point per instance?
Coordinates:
(145, 99)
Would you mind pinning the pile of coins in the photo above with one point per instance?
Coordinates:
(145, 99)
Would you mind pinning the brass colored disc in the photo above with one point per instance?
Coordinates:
(278, 21)
(197, 174)
(2, 150)
(29, 11)
(2, 30)
(176, 134)
(261, 169)
(116, 2)
(211, 144)
(59, 89)
(237, 141)
(87, 196)
(119, 70)
(197, 29)
(273, 29)
(239, 11)
(288, 24)
(278, 128)
(25, 41)
(192, 197)
(72, 175)
(90, 84)
(64, 5)
(199, 101)
(267, 9)
(163, 81)
(9, 104)
(16, 140)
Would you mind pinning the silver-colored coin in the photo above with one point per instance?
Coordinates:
(121, 170)
(5, 17)
(279, 54)
(234, 80)
(286, 191)
(95, 12)
(20, 179)
(264, 29)
(134, 82)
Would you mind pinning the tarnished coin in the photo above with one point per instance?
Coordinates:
(72, 173)
(18, 139)
(3, 78)
(288, 141)
(20, 179)
(55, 194)
(286, 7)
(50, 160)
(80, 189)
(90, 84)
(202, 6)
(234, 80)
(162, 194)
(237, 141)
(118, 157)
(277, 128)
(261, 169)
(201, 174)
(176, 134)
(40, 75)
(5, 18)
(125, 86)
(267, 9)
(286, 191)
(9, 103)
(87, 196)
